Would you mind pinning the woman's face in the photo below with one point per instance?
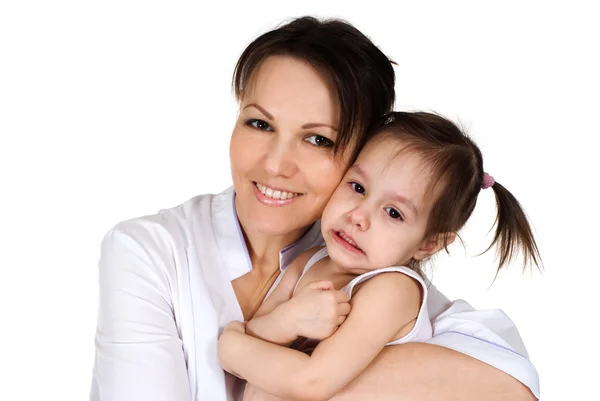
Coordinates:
(282, 163)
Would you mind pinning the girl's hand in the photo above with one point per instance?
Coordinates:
(317, 310)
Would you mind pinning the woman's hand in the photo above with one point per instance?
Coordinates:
(317, 310)
(235, 326)
(227, 343)
(253, 394)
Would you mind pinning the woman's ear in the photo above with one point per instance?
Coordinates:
(433, 245)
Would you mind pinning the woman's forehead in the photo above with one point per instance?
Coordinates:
(284, 82)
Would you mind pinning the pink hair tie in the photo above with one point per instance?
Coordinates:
(488, 181)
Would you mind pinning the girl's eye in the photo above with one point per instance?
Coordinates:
(393, 213)
(260, 125)
(320, 141)
(356, 187)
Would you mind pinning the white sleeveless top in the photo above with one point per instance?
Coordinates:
(421, 332)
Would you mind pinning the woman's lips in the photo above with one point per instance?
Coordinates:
(275, 193)
(265, 199)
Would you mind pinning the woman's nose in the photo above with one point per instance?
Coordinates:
(280, 160)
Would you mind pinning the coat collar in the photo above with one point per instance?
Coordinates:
(231, 243)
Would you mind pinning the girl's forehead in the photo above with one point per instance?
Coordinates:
(387, 150)
(393, 159)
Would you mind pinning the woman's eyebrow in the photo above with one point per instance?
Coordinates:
(262, 110)
(315, 125)
(305, 126)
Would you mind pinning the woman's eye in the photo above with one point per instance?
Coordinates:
(393, 213)
(320, 141)
(260, 125)
(356, 187)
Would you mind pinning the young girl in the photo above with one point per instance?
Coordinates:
(411, 189)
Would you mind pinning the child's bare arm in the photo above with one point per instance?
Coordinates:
(380, 309)
(315, 311)
(271, 323)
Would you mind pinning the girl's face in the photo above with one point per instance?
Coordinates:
(378, 214)
(282, 163)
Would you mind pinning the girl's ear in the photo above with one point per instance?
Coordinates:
(433, 245)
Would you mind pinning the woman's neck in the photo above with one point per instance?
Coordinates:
(264, 248)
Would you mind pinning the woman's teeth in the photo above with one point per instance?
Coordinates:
(271, 193)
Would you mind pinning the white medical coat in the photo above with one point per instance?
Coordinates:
(166, 294)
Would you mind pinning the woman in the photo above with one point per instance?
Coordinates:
(308, 92)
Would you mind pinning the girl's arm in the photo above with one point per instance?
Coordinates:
(474, 355)
(384, 305)
(315, 311)
(272, 322)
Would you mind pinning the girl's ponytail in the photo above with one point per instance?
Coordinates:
(513, 231)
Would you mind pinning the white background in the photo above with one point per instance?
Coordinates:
(116, 109)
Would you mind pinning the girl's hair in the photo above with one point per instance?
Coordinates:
(363, 76)
(455, 165)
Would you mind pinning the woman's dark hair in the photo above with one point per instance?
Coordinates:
(363, 76)
(455, 165)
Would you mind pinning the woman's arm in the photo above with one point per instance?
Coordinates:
(139, 354)
(431, 372)
(427, 372)
(424, 372)
(384, 305)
